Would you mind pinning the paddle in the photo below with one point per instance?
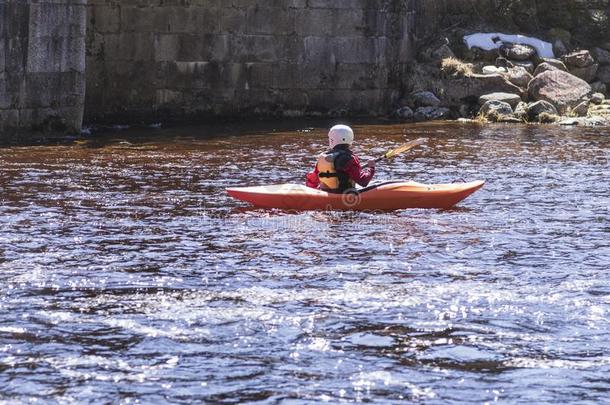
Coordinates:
(402, 148)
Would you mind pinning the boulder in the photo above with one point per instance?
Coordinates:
(556, 63)
(504, 63)
(603, 74)
(602, 56)
(519, 52)
(527, 65)
(597, 98)
(492, 110)
(510, 98)
(562, 89)
(543, 67)
(469, 89)
(578, 59)
(586, 73)
(521, 111)
(581, 109)
(539, 107)
(519, 76)
(431, 113)
(404, 113)
(425, 99)
(442, 52)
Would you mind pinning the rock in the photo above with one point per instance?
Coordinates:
(559, 48)
(598, 87)
(527, 65)
(477, 53)
(465, 110)
(578, 59)
(431, 113)
(562, 89)
(543, 67)
(500, 107)
(586, 73)
(404, 113)
(597, 98)
(602, 56)
(603, 74)
(556, 63)
(605, 45)
(442, 52)
(502, 62)
(425, 99)
(539, 107)
(519, 76)
(510, 98)
(521, 111)
(518, 52)
(581, 109)
(468, 89)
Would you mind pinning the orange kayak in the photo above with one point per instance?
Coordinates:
(386, 196)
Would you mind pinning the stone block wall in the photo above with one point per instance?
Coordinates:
(163, 60)
(42, 65)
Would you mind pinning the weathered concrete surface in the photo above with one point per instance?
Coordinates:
(42, 66)
(149, 60)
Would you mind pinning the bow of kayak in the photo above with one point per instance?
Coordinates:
(387, 196)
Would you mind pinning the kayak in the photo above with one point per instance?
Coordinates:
(392, 195)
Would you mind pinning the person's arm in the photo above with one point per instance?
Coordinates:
(313, 180)
(360, 175)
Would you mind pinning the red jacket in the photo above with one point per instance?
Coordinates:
(352, 168)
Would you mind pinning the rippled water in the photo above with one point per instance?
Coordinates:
(126, 273)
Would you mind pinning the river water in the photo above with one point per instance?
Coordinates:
(127, 274)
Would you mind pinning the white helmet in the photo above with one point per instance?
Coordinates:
(340, 134)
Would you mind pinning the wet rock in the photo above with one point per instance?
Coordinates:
(519, 76)
(601, 110)
(581, 109)
(510, 98)
(404, 113)
(496, 107)
(518, 52)
(521, 111)
(578, 59)
(539, 107)
(527, 65)
(508, 119)
(562, 89)
(425, 99)
(463, 89)
(431, 113)
(586, 73)
(502, 62)
(602, 56)
(597, 98)
(543, 67)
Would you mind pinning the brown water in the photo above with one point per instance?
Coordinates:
(127, 274)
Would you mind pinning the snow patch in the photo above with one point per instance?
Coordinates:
(489, 41)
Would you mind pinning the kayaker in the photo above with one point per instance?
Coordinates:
(338, 169)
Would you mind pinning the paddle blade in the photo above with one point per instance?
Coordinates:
(405, 147)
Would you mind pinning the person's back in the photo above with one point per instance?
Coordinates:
(338, 169)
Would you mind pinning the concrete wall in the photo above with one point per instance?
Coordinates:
(151, 59)
(42, 65)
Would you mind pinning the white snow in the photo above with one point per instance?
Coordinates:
(486, 41)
